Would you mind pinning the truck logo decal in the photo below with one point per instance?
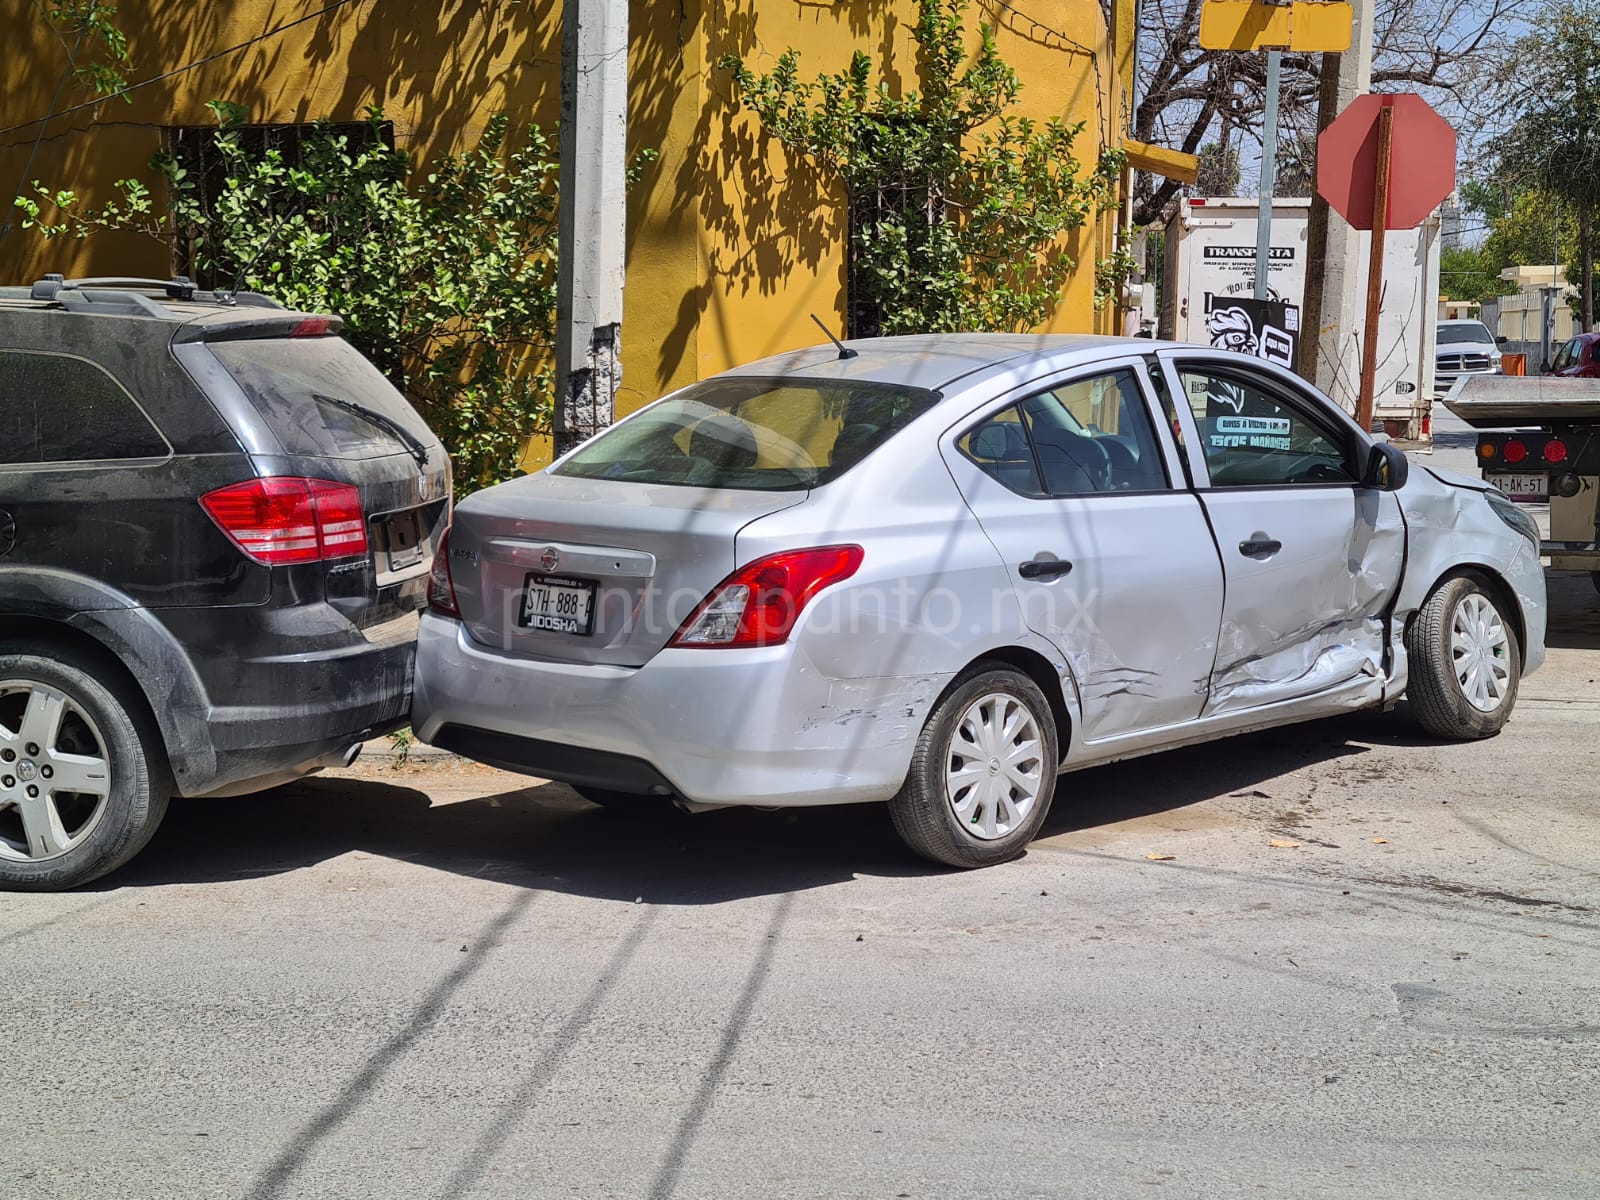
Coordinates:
(1245, 254)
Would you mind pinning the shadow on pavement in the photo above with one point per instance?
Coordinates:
(544, 837)
(1574, 611)
(1175, 779)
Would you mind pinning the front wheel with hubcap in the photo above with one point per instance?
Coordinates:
(1464, 661)
(983, 771)
(79, 794)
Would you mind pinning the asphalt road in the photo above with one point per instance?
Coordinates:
(440, 981)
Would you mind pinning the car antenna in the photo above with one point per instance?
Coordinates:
(844, 351)
(238, 280)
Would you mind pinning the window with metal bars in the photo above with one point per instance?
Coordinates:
(910, 197)
(194, 148)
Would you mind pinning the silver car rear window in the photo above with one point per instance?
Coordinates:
(752, 434)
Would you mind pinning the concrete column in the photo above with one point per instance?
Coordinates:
(1332, 313)
(593, 217)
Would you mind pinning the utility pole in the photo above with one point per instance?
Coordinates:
(1269, 175)
(1331, 314)
(592, 226)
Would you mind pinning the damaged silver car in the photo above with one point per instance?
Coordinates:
(939, 572)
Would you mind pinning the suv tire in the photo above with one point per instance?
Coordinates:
(61, 720)
(983, 772)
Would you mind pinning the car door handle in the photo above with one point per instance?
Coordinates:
(1259, 547)
(1044, 568)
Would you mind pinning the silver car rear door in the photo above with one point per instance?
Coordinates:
(1312, 558)
(1105, 548)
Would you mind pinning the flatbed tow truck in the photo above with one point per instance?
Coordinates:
(1539, 442)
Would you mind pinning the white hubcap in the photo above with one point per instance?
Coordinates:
(54, 775)
(1480, 653)
(996, 766)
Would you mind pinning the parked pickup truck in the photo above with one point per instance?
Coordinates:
(1539, 442)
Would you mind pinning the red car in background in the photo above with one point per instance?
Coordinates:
(1577, 358)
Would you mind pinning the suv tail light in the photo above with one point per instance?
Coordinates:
(441, 588)
(759, 604)
(283, 520)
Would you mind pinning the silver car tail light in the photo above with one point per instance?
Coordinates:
(759, 603)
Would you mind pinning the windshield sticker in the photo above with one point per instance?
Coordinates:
(1269, 432)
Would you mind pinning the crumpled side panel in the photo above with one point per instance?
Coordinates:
(1451, 527)
(1311, 617)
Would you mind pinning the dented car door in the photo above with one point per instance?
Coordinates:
(1311, 557)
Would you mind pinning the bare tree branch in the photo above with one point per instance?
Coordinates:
(1189, 97)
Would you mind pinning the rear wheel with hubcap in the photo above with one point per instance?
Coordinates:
(1464, 661)
(79, 792)
(983, 771)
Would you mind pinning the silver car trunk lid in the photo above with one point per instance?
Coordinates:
(651, 551)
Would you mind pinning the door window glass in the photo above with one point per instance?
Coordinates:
(1095, 435)
(998, 446)
(54, 408)
(1255, 436)
(1563, 358)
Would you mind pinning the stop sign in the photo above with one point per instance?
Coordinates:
(1422, 161)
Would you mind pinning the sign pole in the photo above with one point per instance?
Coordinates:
(1380, 222)
(1269, 172)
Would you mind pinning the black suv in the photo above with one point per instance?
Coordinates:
(216, 526)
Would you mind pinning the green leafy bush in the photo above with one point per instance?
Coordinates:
(446, 279)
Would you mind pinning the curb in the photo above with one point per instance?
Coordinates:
(383, 750)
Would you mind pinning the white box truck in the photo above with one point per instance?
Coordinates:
(1211, 251)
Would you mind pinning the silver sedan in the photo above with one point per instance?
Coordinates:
(938, 572)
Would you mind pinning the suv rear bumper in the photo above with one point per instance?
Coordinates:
(235, 721)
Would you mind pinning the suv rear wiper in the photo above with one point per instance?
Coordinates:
(415, 445)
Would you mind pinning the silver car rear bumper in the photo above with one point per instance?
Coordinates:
(759, 726)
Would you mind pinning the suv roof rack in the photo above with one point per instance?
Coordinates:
(132, 293)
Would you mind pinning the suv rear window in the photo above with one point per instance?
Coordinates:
(754, 434)
(296, 385)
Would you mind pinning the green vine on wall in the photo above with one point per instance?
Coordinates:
(960, 206)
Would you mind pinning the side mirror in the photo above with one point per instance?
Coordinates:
(1502, 340)
(1387, 468)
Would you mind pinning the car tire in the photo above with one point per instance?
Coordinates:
(1594, 578)
(1464, 661)
(962, 803)
(62, 719)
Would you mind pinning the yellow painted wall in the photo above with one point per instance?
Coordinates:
(731, 246)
